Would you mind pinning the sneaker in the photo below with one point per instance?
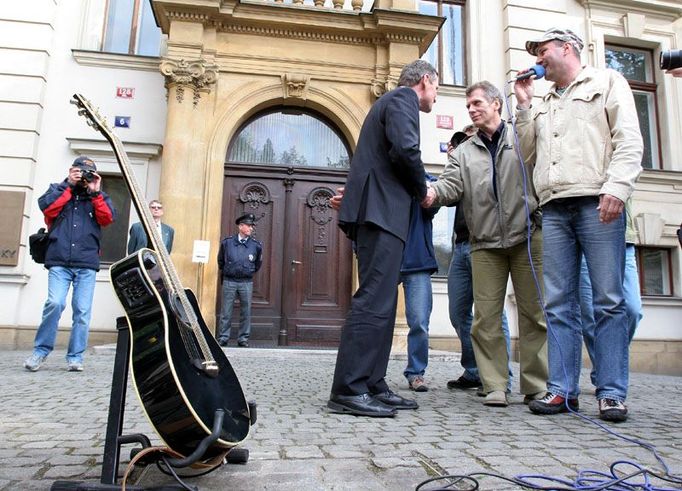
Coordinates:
(74, 366)
(418, 384)
(463, 383)
(496, 398)
(34, 362)
(534, 397)
(612, 410)
(552, 404)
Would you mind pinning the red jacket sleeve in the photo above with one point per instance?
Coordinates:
(56, 206)
(103, 211)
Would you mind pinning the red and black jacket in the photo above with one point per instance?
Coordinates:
(75, 218)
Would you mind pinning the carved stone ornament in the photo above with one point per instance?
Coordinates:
(196, 75)
(253, 195)
(295, 85)
(380, 87)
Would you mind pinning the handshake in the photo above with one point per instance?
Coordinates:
(427, 202)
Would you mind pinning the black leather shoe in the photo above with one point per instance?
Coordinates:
(243, 344)
(360, 405)
(222, 342)
(394, 400)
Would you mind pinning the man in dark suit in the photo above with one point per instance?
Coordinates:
(138, 237)
(386, 173)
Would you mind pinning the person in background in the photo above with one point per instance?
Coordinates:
(138, 237)
(419, 263)
(75, 211)
(633, 299)
(239, 259)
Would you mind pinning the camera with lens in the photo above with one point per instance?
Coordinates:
(87, 175)
(671, 59)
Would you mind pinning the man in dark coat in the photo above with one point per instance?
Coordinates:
(386, 173)
(138, 236)
(239, 259)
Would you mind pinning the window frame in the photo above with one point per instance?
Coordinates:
(290, 109)
(133, 39)
(648, 87)
(640, 271)
(439, 39)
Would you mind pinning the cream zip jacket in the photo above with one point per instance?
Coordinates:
(493, 221)
(585, 142)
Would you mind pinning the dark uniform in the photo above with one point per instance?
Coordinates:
(238, 261)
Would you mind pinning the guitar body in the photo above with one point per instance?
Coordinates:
(178, 397)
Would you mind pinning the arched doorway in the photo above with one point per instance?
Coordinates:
(283, 165)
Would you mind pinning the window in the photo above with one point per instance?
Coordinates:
(115, 236)
(131, 28)
(655, 273)
(290, 138)
(446, 53)
(636, 65)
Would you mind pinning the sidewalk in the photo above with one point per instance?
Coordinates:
(53, 422)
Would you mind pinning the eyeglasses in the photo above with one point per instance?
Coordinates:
(156, 207)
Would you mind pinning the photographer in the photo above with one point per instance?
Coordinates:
(75, 210)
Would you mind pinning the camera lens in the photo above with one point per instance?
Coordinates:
(671, 59)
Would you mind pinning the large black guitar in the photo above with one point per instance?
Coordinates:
(180, 373)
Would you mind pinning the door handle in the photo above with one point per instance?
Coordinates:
(293, 261)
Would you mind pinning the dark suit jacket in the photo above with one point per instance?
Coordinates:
(138, 237)
(386, 170)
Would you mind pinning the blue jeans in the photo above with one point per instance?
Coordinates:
(633, 302)
(460, 304)
(59, 279)
(418, 306)
(232, 290)
(570, 229)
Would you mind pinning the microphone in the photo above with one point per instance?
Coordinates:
(537, 70)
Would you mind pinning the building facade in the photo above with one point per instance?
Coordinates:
(229, 106)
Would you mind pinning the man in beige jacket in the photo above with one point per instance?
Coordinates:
(583, 137)
(484, 174)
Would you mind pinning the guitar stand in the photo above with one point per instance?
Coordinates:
(114, 439)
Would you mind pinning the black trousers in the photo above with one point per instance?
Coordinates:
(368, 332)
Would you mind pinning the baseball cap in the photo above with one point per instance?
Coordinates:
(557, 34)
(84, 162)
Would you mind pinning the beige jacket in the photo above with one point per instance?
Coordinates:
(585, 142)
(493, 221)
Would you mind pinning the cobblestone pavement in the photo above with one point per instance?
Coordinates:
(52, 427)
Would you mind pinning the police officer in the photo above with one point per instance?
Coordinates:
(239, 258)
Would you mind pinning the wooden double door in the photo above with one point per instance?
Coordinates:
(302, 292)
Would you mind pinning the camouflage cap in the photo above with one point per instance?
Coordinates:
(557, 34)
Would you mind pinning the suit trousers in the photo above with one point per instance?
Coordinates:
(491, 269)
(367, 335)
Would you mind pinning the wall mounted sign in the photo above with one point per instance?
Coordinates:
(125, 92)
(444, 121)
(122, 121)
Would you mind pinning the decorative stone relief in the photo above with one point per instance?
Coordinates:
(379, 87)
(196, 75)
(295, 85)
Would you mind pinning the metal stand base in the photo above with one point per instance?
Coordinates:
(114, 439)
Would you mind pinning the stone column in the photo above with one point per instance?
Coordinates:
(183, 174)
